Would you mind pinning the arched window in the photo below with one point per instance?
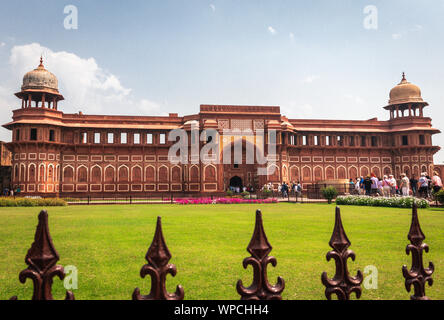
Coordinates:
(330, 173)
(32, 173)
(294, 171)
(82, 173)
(341, 173)
(377, 172)
(109, 174)
(41, 173)
(407, 171)
(137, 174)
(123, 174)
(150, 174)
(96, 175)
(364, 171)
(416, 171)
(317, 174)
(163, 174)
(306, 174)
(210, 174)
(50, 174)
(176, 175)
(284, 173)
(68, 174)
(22, 173)
(194, 174)
(273, 173)
(353, 173)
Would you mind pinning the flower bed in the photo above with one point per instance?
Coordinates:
(223, 201)
(395, 202)
(31, 202)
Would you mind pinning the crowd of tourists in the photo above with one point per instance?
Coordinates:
(389, 186)
(284, 188)
(238, 189)
(11, 191)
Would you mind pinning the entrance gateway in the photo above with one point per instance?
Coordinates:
(236, 182)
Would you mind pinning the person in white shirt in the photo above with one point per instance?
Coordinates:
(405, 182)
(437, 182)
(393, 185)
(386, 186)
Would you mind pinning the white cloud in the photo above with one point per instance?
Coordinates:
(85, 85)
(213, 7)
(311, 78)
(396, 36)
(291, 36)
(272, 30)
(2, 44)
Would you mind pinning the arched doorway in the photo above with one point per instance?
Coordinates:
(236, 182)
(241, 170)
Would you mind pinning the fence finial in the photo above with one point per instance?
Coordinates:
(259, 248)
(158, 268)
(342, 284)
(41, 260)
(417, 276)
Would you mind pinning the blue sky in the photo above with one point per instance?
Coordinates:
(315, 59)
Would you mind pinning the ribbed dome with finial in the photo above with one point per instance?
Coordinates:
(40, 79)
(405, 92)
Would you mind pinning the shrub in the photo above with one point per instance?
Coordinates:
(395, 202)
(267, 193)
(329, 193)
(245, 194)
(31, 202)
(230, 193)
(440, 196)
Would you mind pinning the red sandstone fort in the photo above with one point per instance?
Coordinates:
(59, 154)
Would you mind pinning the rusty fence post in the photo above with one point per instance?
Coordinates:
(259, 248)
(158, 268)
(417, 276)
(41, 260)
(342, 284)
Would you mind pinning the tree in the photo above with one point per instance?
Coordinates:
(329, 193)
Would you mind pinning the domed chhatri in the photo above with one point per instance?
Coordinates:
(40, 79)
(406, 100)
(405, 92)
(41, 87)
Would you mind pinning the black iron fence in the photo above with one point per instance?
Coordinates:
(42, 258)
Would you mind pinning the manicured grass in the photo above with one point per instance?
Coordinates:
(208, 243)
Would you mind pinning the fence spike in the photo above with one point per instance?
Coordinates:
(158, 268)
(41, 260)
(259, 248)
(417, 276)
(342, 284)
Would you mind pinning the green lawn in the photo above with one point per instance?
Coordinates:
(208, 243)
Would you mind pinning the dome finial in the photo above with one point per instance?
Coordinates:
(41, 61)
(403, 77)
